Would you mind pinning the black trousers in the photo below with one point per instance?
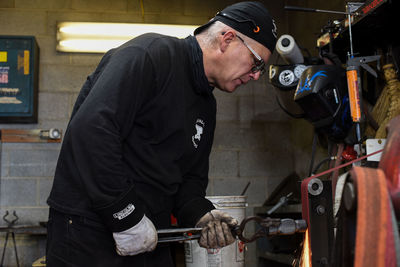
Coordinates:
(78, 241)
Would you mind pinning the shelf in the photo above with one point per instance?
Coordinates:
(374, 28)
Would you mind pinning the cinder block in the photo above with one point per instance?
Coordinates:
(228, 135)
(22, 22)
(48, 53)
(54, 106)
(45, 185)
(63, 78)
(26, 170)
(267, 109)
(218, 93)
(7, 3)
(4, 163)
(272, 183)
(303, 160)
(134, 6)
(263, 87)
(246, 109)
(18, 192)
(32, 163)
(278, 137)
(72, 100)
(157, 18)
(100, 5)
(205, 8)
(246, 89)
(209, 190)
(224, 163)
(227, 186)
(50, 169)
(256, 192)
(30, 146)
(43, 4)
(161, 7)
(264, 105)
(90, 59)
(227, 108)
(261, 164)
(129, 17)
(60, 15)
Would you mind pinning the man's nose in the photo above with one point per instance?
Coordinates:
(255, 76)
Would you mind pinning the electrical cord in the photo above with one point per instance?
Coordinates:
(314, 146)
(325, 160)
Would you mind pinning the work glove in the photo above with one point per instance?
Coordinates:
(140, 238)
(216, 232)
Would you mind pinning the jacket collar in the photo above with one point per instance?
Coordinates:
(200, 80)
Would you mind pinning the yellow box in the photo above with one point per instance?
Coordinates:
(3, 56)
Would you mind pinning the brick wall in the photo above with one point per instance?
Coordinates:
(252, 140)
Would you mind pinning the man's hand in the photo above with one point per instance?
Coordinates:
(140, 238)
(216, 231)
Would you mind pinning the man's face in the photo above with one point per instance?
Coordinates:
(242, 62)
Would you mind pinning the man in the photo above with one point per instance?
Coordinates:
(137, 146)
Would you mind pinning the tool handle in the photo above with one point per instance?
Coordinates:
(297, 8)
(354, 85)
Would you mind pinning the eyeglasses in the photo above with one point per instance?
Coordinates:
(259, 64)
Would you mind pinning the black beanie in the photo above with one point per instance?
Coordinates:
(251, 19)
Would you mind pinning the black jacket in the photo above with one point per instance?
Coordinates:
(139, 137)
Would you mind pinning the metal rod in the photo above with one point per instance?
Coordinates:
(245, 189)
(178, 238)
(15, 248)
(350, 34)
(4, 249)
(179, 230)
(306, 9)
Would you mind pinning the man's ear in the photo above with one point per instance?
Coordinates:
(225, 39)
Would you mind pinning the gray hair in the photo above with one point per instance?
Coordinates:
(208, 37)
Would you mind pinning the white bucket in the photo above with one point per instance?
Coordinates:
(229, 256)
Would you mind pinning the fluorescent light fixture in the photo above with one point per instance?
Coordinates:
(90, 37)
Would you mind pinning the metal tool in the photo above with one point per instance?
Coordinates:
(354, 85)
(354, 80)
(268, 227)
(282, 202)
(10, 220)
(178, 234)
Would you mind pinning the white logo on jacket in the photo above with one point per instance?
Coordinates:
(199, 126)
(125, 212)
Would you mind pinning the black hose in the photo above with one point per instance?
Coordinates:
(321, 163)
(314, 146)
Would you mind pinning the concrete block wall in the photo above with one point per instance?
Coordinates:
(252, 140)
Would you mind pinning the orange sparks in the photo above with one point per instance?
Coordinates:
(305, 260)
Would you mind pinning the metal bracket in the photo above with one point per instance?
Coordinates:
(52, 135)
(318, 212)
